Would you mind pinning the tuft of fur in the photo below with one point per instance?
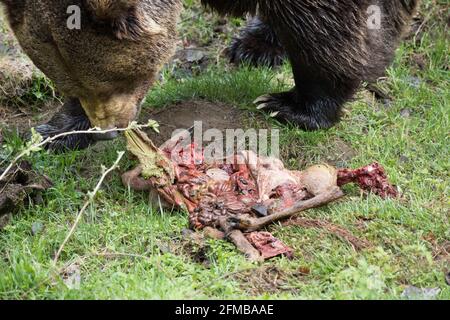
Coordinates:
(410, 6)
(14, 16)
(257, 45)
(234, 8)
(110, 9)
(127, 18)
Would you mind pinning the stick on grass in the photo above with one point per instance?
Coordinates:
(38, 145)
(88, 202)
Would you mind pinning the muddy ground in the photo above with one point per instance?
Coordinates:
(183, 115)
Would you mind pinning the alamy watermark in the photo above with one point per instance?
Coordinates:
(374, 17)
(212, 146)
(74, 19)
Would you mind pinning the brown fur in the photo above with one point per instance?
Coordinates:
(110, 9)
(110, 63)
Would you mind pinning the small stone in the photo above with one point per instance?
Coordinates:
(187, 232)
(260, 210)
(414, 82)
(38, 199)
(36, 228)
(72, 277)
(404, 159)
(193, 55)
(387, 103)
(415, 293)
(164, 248)
(405, 113)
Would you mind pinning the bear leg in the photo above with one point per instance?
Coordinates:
(257, 45)
(314, 103)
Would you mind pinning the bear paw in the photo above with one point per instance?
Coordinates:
(284, 108)
(62, 123)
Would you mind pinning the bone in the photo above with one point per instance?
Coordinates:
(213, 233)
(133, 180)
(240, 241)
(248, 224)
(243, 245)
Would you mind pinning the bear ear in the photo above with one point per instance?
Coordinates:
(126, 18)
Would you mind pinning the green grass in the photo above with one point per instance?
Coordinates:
(405, 234)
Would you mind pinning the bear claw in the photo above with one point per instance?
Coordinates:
(260, 101)
(284, 108)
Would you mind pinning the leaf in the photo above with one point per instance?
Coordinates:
(154, 125)
(32, 145)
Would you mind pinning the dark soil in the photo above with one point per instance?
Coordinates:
(20, 120)
(183, 115)
(20, 185)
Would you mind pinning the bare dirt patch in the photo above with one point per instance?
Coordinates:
(183, 115)
(20, 120)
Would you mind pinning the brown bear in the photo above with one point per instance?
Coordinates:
(106, 67)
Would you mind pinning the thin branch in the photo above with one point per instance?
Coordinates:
(88, 202)
(42, 143)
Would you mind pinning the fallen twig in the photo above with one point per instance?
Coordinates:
(41, 143)
(88, 202)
